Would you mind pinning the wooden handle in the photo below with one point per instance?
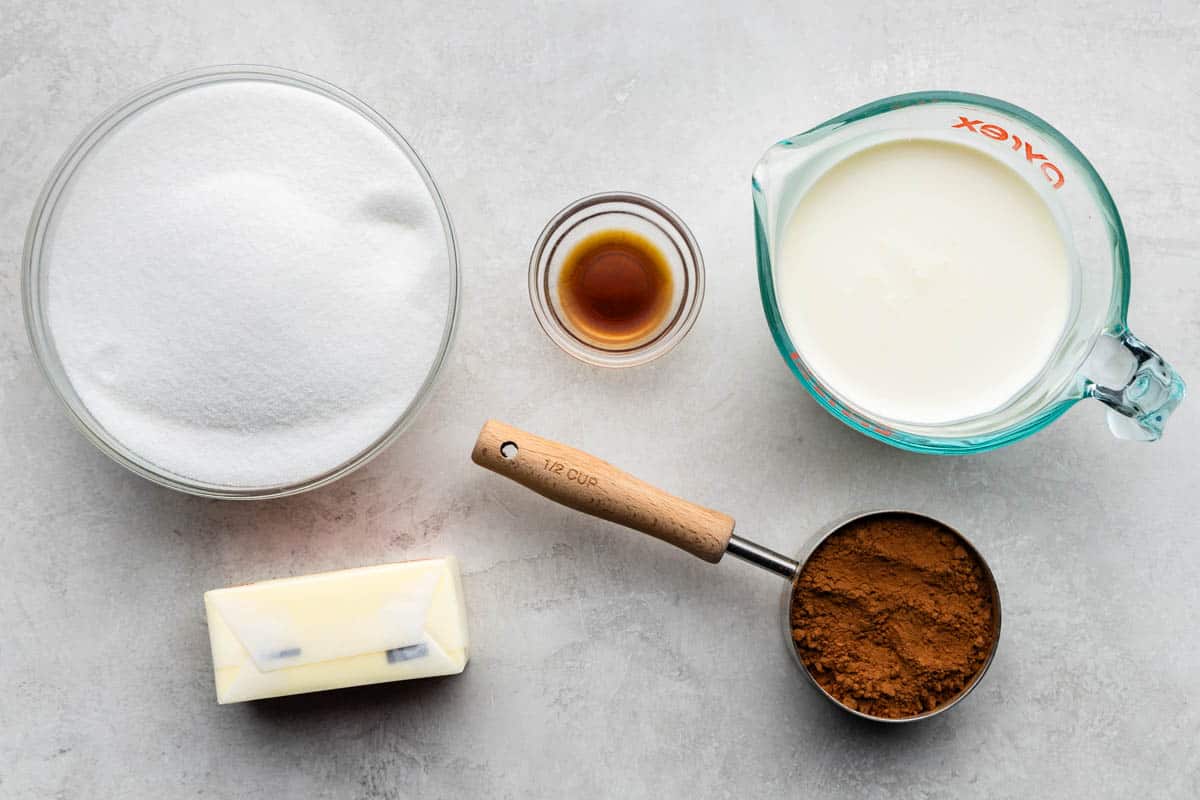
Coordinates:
(585, 483)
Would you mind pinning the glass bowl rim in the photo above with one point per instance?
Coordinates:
(41, 338)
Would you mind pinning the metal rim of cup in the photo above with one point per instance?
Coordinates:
(811, 547)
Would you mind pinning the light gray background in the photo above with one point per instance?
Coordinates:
(605, 664)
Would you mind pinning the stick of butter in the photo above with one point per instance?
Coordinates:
(352, 627)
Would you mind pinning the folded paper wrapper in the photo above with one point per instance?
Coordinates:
(352, 627)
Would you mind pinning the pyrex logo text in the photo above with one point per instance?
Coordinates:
(1052, 173)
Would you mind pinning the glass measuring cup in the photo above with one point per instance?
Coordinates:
(585, 483)
(1096, 355)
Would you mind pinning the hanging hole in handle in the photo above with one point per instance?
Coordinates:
(509, 450)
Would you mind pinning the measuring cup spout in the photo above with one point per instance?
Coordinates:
(1139, 408)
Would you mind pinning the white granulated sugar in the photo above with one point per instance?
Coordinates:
(247, 283)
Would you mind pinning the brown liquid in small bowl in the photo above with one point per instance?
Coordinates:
(615, 287)
(616, 279)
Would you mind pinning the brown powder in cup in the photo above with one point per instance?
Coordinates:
(893, 615)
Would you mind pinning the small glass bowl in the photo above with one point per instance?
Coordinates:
(33, 281)
(621, 211)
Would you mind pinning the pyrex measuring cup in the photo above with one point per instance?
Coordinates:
(585, 483)
(1096, 356)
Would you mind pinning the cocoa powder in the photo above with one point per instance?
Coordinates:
(893, 615)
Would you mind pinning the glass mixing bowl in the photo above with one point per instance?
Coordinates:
(34, 280)
(1096, 356)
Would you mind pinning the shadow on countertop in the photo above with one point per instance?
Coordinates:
(318, 710)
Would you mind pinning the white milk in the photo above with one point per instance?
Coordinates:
(923, 281)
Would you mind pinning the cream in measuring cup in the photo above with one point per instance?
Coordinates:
(947, 273)
(925, 280)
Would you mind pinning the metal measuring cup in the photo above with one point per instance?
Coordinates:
(585, 483)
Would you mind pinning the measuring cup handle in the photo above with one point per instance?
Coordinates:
(1139, 409)
(585, 483)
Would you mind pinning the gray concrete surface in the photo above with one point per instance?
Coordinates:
(605, 665)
